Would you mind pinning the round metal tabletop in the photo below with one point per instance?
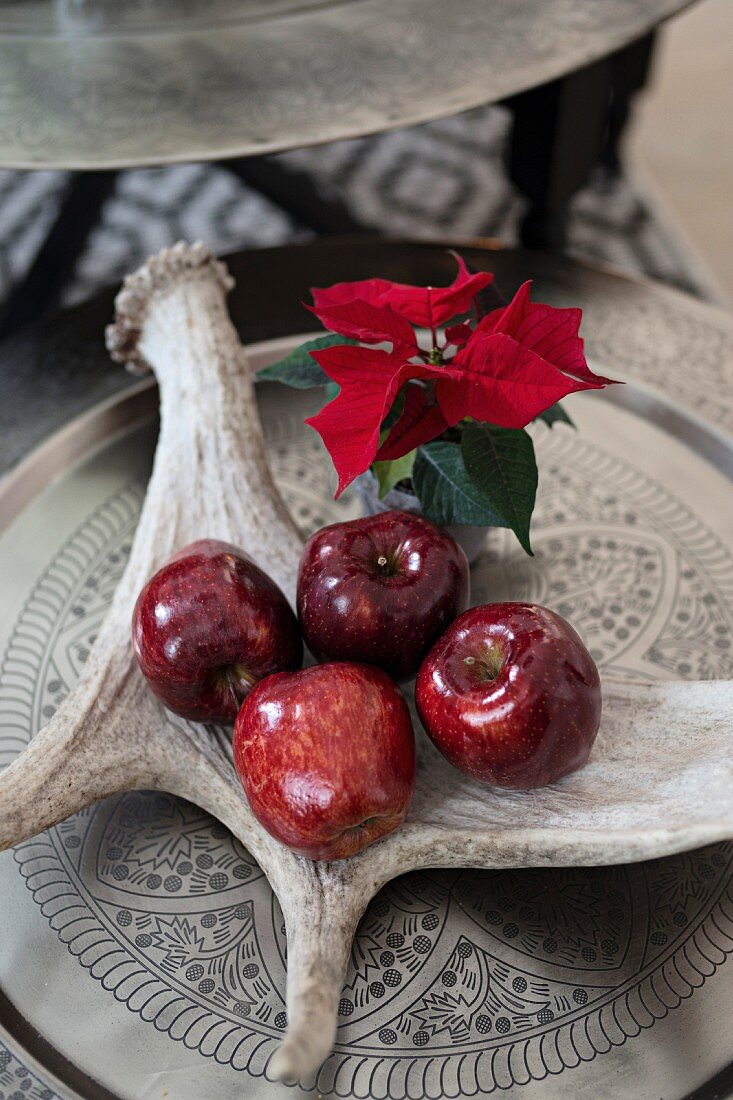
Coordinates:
(107, 85)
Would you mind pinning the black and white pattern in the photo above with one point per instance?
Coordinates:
(444, 178)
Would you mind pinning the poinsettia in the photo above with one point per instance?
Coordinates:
(447, 412)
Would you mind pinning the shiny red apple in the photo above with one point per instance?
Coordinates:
(326, 757)
(381, 590)
(208, 626)
(510, 695)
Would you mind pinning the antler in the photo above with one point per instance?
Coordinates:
(210, 479)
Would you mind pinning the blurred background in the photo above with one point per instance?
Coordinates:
(681, 143)
(654, 203)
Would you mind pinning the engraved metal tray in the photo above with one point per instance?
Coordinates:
(147, 952)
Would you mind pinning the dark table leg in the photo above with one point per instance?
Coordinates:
(557, 137)
(298, 195)
(78, 214)
(564, 129)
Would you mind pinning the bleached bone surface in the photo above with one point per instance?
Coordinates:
(660, 778)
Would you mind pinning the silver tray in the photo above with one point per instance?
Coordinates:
(146, 948)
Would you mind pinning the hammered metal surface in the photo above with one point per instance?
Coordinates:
(86, 85)
(460, 982)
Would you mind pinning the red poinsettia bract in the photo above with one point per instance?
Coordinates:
(424, 306)
(509, 367)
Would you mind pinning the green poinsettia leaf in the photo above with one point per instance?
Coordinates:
(298, 369)
(388, 474)
(555, 415)
(331, 390)
(500, 462)
(446, 493)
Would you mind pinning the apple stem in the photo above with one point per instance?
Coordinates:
(387, 564)
(240, 681)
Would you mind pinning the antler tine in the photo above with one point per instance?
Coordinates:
(211, 472)
(87, 751)
(321, 918)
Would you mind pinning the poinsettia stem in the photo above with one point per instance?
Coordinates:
(433, 331)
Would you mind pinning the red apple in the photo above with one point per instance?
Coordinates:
(381, 590)
(511, 695)
(326, 757)
(208, 626)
